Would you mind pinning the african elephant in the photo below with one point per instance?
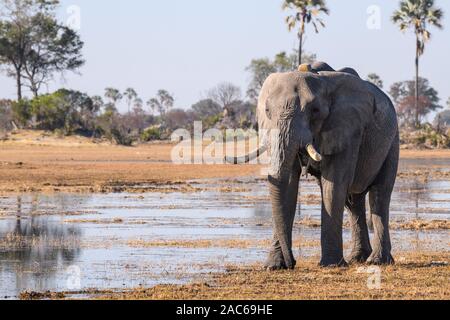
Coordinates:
(344, 130)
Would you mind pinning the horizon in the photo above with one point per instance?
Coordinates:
(188, 63)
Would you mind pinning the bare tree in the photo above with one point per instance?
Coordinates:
(225, 94)
(206, 108)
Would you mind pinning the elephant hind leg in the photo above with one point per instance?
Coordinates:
(360, 234)
(380, 194)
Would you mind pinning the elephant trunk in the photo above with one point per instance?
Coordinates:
(284, 177)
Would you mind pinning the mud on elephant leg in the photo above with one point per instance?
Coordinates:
(360, 233)
(276, 260)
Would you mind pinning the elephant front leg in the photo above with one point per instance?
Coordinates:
(337, 173)
(332, 222)
(360, 232)
(275, 260)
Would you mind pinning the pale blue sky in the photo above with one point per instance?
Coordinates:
(188, 47)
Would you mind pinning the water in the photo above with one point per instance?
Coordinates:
(67, 242)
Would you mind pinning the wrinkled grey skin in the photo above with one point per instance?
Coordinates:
(353, 124)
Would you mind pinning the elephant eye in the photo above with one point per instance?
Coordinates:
(315, 111)
(268, 113)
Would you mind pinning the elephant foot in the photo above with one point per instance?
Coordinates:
(379, 259)
(359, 256)
(333, 263)
(275, 262)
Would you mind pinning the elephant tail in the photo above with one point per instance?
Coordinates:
(370, 221)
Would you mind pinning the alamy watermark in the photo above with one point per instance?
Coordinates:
(73, 20)
(215, 147)
(73, 281)
(374, 17)
(374, 276)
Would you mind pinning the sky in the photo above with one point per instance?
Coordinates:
(188, 47)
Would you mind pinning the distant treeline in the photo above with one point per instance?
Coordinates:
(35, 46)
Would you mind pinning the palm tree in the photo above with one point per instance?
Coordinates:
(114, 96)
(306, 11)
(417, 15)
(162, 103)
(130, 94)
(138, 105)
(97, 103)
(153, 105)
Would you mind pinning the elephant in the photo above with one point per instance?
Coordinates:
(323, 66)
(344, 131)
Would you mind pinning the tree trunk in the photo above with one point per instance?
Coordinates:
(34, 90)
(300, 48)
(19, 85)
(417, 124)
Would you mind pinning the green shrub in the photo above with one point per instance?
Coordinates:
(211, 121)
(22, 112)
(51, 112)
(121, 137)
(425, 137)
(6, 116)
(151, 134)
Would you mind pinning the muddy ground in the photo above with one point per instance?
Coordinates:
(90, 220)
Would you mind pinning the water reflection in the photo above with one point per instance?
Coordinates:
(34, 248)
(41, 236)
(414, 193)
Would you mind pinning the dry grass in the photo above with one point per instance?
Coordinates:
(416, 276)
(48, 295)
(417, 224)
(49, 169)
(16, 241)
(96, 221)
(219, 243)
(421, 225)
(425, 154)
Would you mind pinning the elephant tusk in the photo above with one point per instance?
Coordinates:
(246, 159)
(313, 153)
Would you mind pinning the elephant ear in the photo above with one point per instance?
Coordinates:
(351, 109)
